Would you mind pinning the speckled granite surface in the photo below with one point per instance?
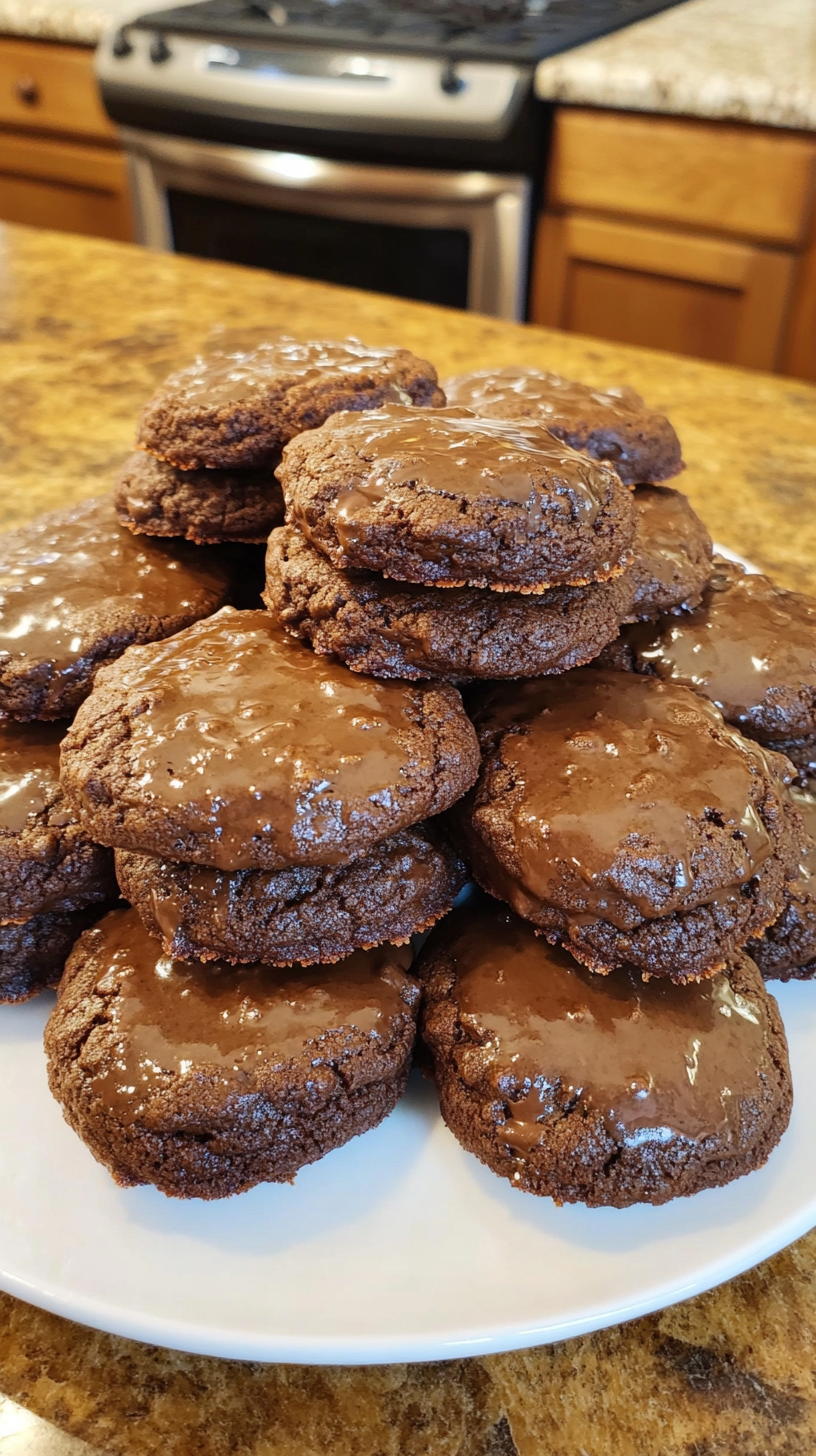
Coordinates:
(86, 329)
(748, 60)
(80, 22)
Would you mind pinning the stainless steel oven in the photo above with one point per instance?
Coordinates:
(451, 237)
(392, 146)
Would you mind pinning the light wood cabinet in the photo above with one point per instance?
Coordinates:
(688, 236)
(60, 162)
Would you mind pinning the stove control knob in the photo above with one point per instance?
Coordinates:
(159, 50)
(121, 45)
(450, 81)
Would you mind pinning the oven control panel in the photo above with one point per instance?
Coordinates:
(311, 86)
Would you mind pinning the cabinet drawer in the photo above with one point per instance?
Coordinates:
(729, 179)
(99, 168)
(68, 186)
(52, 88)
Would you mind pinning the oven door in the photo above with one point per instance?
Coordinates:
(455, 238)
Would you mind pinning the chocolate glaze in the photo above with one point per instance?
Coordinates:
(54, 579)
(248, 731)
(457, 452)
(29, 771)
(746, 640)
(178, 1017)
(805, 801)
(230, 372)
(663, 528)
(614, 769)
(536, 390)
(654, 1059)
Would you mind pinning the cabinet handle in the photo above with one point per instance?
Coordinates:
(27, 90)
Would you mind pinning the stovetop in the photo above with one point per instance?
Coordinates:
(517, 31)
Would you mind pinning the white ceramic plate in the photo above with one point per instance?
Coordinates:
(399, 1246)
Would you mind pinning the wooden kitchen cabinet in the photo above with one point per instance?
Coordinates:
(690, 236)
(61, 165)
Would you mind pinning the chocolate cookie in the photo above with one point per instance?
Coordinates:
(234, 746)
(153, 498)
(623, 816)
(597, 1090)
(306, 914)
(787, 950)
(76, 590)
(33, 955)
(673, 562)
(47, 862)
(447, 498)
(393, 629)
(205, 1080)
(750, 647)
(236, 409)
(609, 424)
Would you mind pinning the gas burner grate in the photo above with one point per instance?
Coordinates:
(519, 31)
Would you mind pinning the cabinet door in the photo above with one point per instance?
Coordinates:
(64, 185)
(661, 288)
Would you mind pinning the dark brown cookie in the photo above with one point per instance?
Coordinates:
(787, 950)
(306, 914)
(446, 498)
(609, 424)
(673, 562)
(153, 498)
(33, 955)
(391, 629)
(623, 816)
(234, 746)
(750, 647)
(205, 1080)
(236, 409)
(599, 1090)
(76, 589)
(47, 862)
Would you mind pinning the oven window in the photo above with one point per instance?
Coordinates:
(425, 263)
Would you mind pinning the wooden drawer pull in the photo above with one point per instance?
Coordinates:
(27, 90)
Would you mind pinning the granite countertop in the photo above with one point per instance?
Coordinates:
(747, 60)
(744, 60)
(87, 329)
(80, 22)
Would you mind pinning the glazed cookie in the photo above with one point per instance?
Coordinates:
(47, 862)
(153, 498)
(609, 424)
(673, 562)
(33, 955)
(578, 1087)
(76, 590)
(235, 409)
(205, 1080)
(391, 629)
(623, 816)
(233, 746)
(750, 647)
(787, 950)
(306, 914)
(447, 498)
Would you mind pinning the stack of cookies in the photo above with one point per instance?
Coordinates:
(75, 591)
(476, 542)
(282, 826)
(210, 438)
